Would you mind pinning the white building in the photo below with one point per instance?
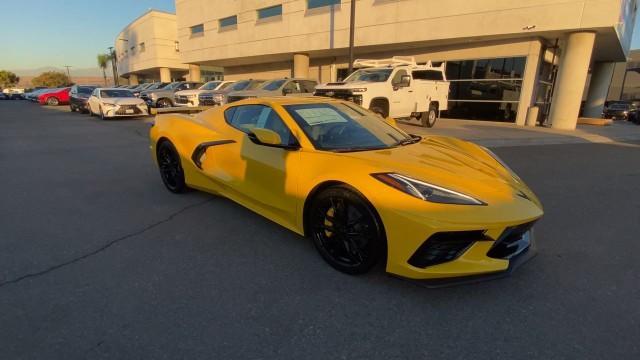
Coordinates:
(501, 55)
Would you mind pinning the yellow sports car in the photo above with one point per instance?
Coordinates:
(362, 189)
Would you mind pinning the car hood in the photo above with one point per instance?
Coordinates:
(189, 92)
(123, 101)
(255, 93)
(451, 163)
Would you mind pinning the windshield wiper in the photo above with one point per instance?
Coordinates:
(408, 141)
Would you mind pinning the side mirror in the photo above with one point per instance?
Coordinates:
(265, 137)
(405, 81)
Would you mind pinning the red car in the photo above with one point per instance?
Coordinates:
(56, 97)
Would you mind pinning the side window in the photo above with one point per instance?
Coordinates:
(398, 76)
(247, 117)
(308, 86)
(74, 90)
(182, 87)
(95, 93)
(292, 87)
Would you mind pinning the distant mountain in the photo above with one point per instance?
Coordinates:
(81, 72)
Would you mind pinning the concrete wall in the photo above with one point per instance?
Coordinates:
(381, 23)
(158, 31)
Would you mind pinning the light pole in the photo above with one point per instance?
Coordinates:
(352, 30)
(68, 72)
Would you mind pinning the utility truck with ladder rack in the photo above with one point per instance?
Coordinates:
(397, 87)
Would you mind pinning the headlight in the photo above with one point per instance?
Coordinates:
(218, 97)
(504, 165)
(359, 90)
(426, 191)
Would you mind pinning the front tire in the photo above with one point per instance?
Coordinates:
(346, 230)
(170, 167)
(164, 103)
(72, 108)
(53, 101)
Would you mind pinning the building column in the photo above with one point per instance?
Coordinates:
(571, 79)
(194, 72)
(529, 81)
(165, 75)
(133, 79)
(300, 65)
(598, 88)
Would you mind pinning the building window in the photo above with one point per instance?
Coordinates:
(312, 4)
(228, 22)
(485, 89)
(270, 12)
(142, 47)
(197, 30)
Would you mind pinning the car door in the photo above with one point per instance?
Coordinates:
(402, 99)
(92, 102)
(257, 175)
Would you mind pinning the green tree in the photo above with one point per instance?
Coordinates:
(8, 79)
(103, 62)
(51, 79)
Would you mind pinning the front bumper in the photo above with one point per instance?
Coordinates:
(125, 111)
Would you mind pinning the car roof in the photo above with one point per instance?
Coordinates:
(289, 100)
(112, 88)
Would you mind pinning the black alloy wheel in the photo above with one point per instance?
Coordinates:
(346, 231)
(164, 103)
(170, 168)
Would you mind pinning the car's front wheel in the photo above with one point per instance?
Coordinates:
(102, 117)
(170, 167)
(346, 230)
(53, 101)
(72, 108)
(164, 103)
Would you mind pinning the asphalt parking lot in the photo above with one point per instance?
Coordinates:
(98, 260)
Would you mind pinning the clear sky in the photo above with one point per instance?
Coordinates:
(40, 33)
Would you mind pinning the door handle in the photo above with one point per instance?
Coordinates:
(410, 91)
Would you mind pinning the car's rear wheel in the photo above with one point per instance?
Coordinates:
(429, 118)
(346, 231)
(53, 101)
(170, 167)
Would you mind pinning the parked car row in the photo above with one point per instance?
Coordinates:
(623, 110)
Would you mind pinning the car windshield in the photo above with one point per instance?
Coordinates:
(156, 86)
(85, 90)
(370, 75)
(619, 106)
(273, 85)
(225, 86)
(171, 86)
(211, 85)
(116, 93)
(340, 127)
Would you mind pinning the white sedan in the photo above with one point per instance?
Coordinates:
(114, 102)
(190, 97)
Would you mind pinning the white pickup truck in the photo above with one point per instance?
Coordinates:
(396, 87)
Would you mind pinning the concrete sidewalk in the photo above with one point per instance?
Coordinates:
(496, 134)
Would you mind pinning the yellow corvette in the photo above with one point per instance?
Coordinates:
(362, 189)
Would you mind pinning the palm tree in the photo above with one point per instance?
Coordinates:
(103, 61)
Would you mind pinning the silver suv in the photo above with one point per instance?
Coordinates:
(164, 97)
(278, 87)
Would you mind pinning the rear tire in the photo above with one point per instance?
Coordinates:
(428, 118)
(52, 101)
(346, 230)
(170, 167)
